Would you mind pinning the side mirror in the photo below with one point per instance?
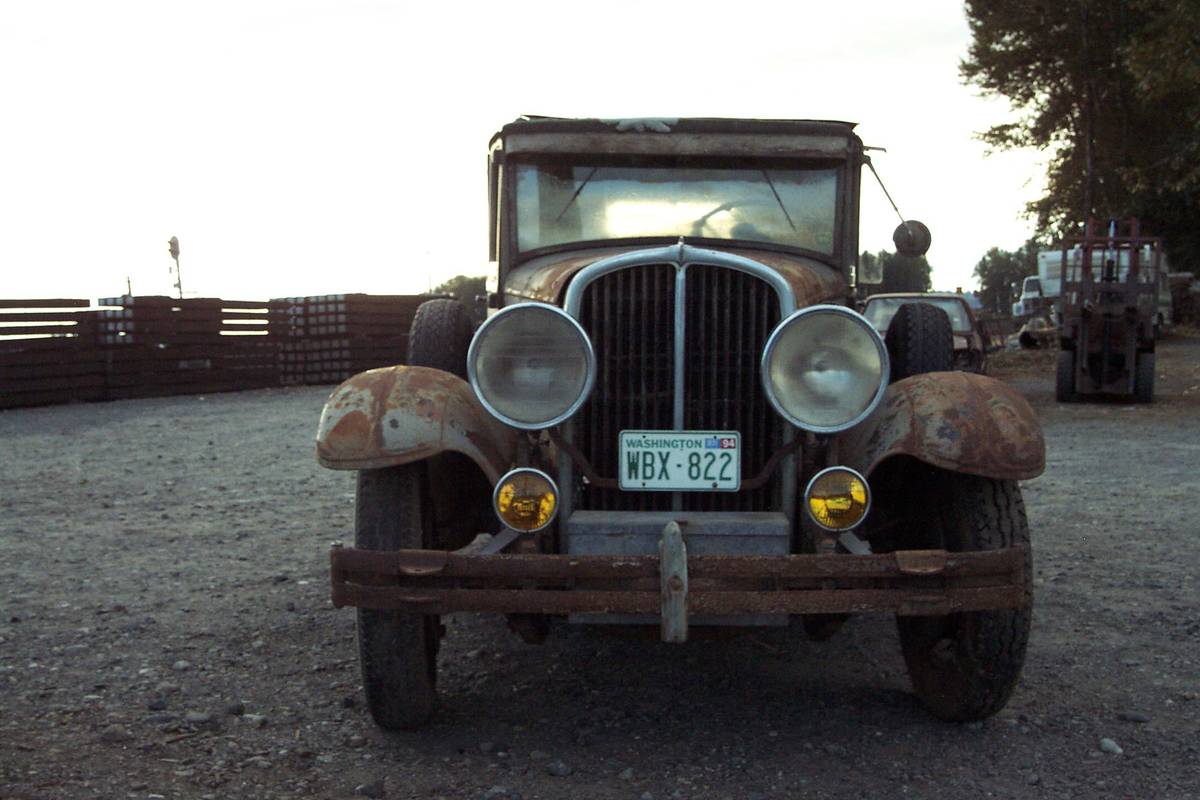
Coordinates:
(912, 238)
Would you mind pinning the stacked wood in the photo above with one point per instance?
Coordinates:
(328, 338)
(48, 352)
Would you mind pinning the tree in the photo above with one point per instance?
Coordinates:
(1110, 89)
(1000, 274)
(904, 273)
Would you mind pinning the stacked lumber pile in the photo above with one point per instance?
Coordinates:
(328, 338)
(48, 351)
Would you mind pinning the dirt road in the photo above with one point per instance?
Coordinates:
(165, 631)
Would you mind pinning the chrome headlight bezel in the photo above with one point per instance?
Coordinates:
(789, 326)
(574, 328)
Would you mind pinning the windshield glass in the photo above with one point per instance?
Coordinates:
(879, 311)
(560, 202)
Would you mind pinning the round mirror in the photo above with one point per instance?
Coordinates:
(912, 238)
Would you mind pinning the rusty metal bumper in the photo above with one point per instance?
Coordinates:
(912, 582)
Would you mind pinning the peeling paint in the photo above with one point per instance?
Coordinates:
(397, 415)
(954, 420)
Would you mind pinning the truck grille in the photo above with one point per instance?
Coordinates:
(630, 316)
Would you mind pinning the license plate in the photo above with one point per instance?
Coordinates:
(679, 461)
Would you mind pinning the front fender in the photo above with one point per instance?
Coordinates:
(397, 415)
(953, 420)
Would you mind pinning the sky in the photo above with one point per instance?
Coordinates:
(300, 147)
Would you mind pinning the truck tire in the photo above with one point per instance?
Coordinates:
(440, 335)
(1064, 380)
(397, 650)
(919, 340)
(965, 666)
(1143, 378)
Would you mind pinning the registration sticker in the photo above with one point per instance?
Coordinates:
(679, 461)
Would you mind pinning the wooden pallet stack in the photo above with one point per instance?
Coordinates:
(328, 338)
(63, 350)
(156, 345)
(48, 351)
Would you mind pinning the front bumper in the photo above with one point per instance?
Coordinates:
(911, 582)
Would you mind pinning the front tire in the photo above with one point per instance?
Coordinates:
(397, 650)
(919, 339)
(965, 666)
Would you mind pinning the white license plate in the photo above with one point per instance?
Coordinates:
(675, 461)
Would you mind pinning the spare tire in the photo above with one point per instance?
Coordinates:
(440, 335)
(919, 340)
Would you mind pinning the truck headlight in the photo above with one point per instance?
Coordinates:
(825, 368)
(526, 500)
(837, 498)
(531, 365)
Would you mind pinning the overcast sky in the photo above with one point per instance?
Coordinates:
(340, 146)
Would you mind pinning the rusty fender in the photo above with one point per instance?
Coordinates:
(953, 420)
(397, 415)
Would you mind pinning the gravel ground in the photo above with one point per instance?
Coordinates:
(165, 631)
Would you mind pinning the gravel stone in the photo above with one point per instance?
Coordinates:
(1109, 746)
(198, 717)
(1134, 716)
(181, 665)
(236, 708)
(373, 789)
(157, 704)
(558, 769)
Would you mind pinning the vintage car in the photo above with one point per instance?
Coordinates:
(673, 417)
(970, 340)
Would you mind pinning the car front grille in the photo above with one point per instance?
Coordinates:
(630, 316)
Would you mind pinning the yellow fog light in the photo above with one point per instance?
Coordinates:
(837, 498)
(526, 500)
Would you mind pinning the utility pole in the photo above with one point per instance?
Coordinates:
(173, 249)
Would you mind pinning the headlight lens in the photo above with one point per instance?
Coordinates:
(526, 500)
(838, 498)
(825, 368)
(531, 365)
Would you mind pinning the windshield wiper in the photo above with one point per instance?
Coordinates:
(577, 191)
(778, 199)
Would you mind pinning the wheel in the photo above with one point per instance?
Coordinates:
(1064, 382)
(397, 651)
(440, 335)
(965, 666)
(1143, 378)
(919, 340)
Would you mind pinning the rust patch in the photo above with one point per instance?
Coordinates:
(954, 420)
(402, 414)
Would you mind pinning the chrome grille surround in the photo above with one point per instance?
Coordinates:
(688, 265)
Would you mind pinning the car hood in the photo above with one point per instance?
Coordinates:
(544, 279)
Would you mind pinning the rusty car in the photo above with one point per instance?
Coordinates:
(672, 417)
(971, 342)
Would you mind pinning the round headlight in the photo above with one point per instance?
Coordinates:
(526, 499)
(531, 365)
(837, 498)
(825, 368)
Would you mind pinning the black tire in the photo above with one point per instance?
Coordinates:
(965, 666)
(397, 651)
(1143, 378)
(919, 340)
(1064, 380)
(440, 335)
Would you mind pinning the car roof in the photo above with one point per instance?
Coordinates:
(917, 295)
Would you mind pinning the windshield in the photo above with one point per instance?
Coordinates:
(879, 311)
(561, 202)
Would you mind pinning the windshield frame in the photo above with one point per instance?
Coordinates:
(837, 165)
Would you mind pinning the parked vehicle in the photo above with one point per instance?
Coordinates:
(1109, 313)
(971, 343)
(673, 417)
